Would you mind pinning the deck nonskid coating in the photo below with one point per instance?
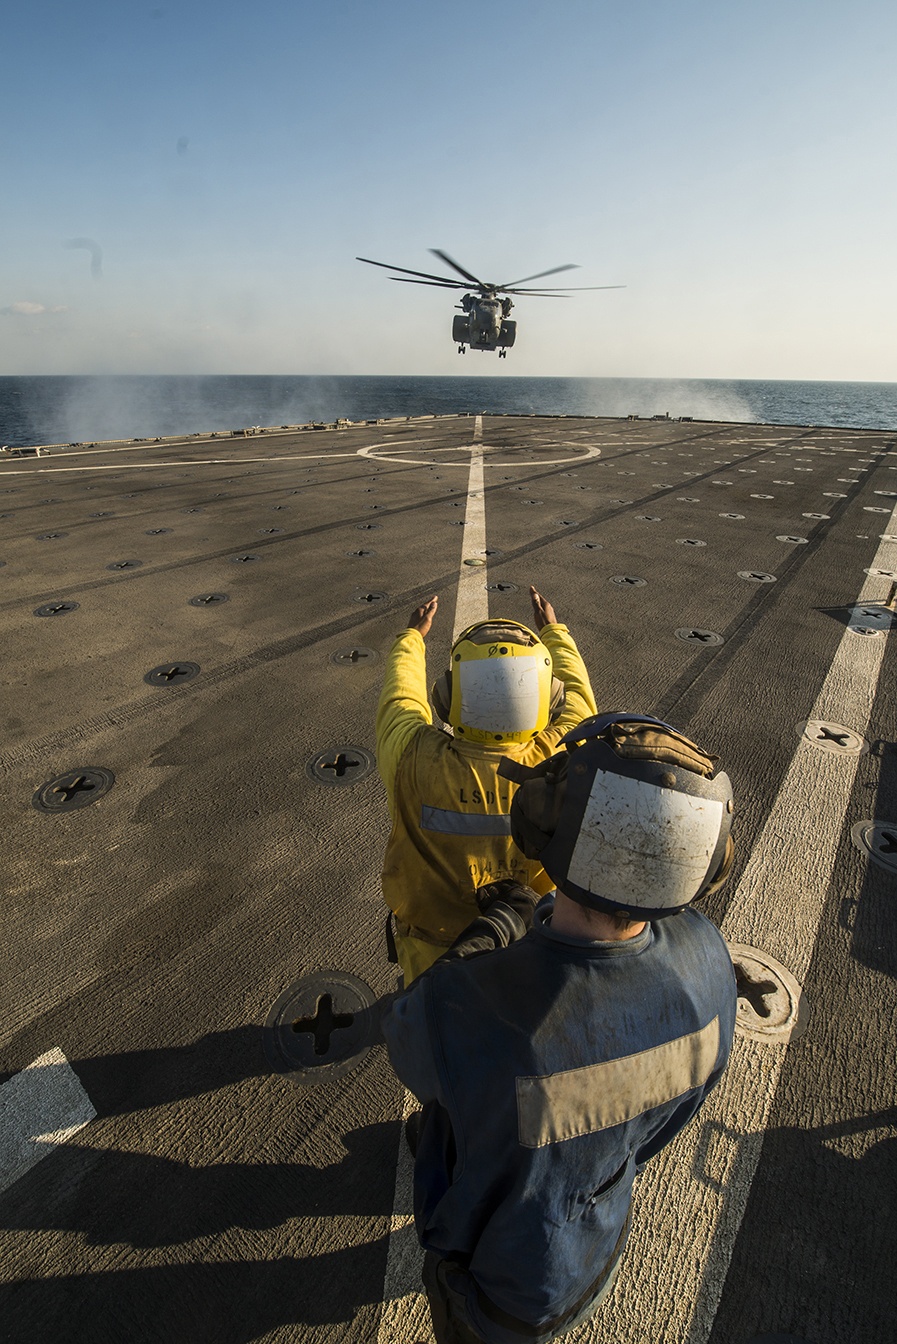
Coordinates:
(148, 934)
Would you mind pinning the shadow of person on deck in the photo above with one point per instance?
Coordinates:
(246, 1246)
(225, 1299)
(142, 1200)
(816, 1249)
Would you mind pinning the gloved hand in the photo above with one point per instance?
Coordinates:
(522, 900)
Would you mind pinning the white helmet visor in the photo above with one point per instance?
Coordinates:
(501, 695)
(640, 844)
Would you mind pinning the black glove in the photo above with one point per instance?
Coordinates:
(499, 926)
(522, 900)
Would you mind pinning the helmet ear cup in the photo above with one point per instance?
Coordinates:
(441, 695)
(723, 872)
(537, 804)
(558, 702)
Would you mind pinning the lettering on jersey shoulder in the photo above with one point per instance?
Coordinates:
(477, 796)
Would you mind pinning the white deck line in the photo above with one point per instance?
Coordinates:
(690, 1202)
(172, 463)
(40, 1108)
(472, 603)
(405, 1315)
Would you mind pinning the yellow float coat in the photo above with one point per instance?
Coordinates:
(448, 806)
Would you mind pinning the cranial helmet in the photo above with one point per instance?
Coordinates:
(629, 817)
(499, 687)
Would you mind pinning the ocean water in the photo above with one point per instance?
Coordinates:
(38, 410)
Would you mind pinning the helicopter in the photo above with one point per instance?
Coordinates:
(484, 323)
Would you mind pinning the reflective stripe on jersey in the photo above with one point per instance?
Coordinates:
(463, 823)
(583, 1101)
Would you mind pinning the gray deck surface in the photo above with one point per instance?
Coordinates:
(146, 936)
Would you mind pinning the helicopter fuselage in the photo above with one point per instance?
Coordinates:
(485, 325)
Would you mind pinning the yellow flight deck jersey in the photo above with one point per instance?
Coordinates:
(451, 829)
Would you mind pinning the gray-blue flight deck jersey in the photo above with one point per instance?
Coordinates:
(549, 1071)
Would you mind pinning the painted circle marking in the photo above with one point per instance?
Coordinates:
(378, 452)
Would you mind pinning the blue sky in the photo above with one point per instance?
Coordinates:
(219, 166)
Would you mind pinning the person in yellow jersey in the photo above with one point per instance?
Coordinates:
(508, 692)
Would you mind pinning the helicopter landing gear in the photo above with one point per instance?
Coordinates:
(502, 354)
(462, 349)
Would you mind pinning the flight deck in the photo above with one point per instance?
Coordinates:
(199, 1141)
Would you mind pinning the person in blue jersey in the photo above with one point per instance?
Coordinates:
(563, 1041)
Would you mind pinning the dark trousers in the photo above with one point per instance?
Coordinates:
(448, 1325)
(451, 1324)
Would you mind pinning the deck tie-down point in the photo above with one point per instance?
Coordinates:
(771, 1005)
(322, 1026)
(75, 789)
(692, 635)
(171, 674)
(354, 657)
(324, 1023)
(56, 608)
(341, 765)
(877, 840)
(207, 599)
(833, 737)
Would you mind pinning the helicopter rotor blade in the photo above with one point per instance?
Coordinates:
(444, 256)
(570, 266)
(435, 284)
(405, 271)
(572, 289)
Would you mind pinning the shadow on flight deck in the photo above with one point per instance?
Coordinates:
(135, 1212)
(142, 1200)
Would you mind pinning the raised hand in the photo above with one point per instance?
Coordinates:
(543, 611)
(422, 617)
